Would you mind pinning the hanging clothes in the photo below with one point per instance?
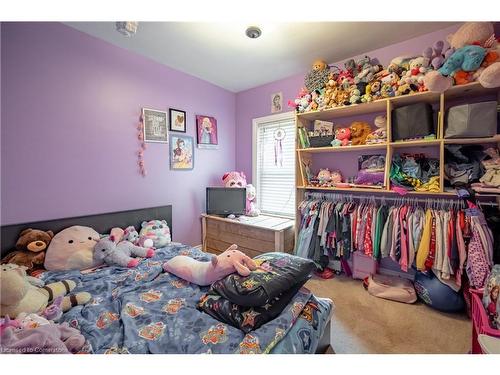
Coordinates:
(434, 238)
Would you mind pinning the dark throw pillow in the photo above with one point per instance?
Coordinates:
(245, 318)
(276, 274)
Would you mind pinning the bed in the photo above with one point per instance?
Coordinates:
(146, 310)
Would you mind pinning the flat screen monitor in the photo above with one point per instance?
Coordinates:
(226, 201)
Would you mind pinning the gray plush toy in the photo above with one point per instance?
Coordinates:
(119, 254)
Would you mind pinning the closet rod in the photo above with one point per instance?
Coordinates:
(392, 199)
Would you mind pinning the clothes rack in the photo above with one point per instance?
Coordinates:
(408, 200)
(447, 236)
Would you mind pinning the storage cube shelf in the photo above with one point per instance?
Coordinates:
(436, 146)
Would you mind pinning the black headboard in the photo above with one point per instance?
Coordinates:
(102, 223)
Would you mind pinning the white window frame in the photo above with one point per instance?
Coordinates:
(256, 122)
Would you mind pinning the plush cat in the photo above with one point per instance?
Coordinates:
(157, 231)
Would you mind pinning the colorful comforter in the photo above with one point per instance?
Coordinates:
(145, 310)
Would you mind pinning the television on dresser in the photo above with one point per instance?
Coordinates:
(226, 201)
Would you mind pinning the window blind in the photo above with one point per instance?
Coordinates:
(275, 182)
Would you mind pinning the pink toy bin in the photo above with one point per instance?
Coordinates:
(480, 321)
(363, 265)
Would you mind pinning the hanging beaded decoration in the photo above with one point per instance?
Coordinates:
(142, 147)
(279, 135)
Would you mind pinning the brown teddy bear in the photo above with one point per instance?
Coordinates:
(30, 249)
(359, 131)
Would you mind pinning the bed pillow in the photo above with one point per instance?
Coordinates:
(245, 318)
(276, 274)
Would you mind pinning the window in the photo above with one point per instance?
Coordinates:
(274, 164)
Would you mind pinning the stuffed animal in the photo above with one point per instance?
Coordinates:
(324, 177)
(335, 177)
(417, 69)
(302, 101)
(40, 337)
(206, 273)
(359, 131)
(18, 295)
(470, 34)
(406, 88)
(342, 137)
(468, 59)
(72, 248)
(112, 251)
(251, 208)
(155, 230)
(30, 249)
(317, 78)
(488, 75)
(354, 95)
(437, 54)
(380, 134)
(234, 179)
(131, 234)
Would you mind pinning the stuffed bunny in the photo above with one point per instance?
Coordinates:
(206, 273)
(119, 253)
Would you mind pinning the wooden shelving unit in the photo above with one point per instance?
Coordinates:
(439, 101)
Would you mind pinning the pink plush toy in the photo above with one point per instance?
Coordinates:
(206, 273)
(234, 179)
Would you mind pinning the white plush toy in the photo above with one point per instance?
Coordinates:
(251, 208)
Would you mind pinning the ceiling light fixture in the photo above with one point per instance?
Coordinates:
(253, 32)
(127, 28)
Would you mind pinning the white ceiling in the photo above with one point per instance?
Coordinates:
(220, 53)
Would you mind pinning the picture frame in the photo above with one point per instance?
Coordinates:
(177, 120)
(181, 149)
(154, 124)
(276, 102)
(207, 132)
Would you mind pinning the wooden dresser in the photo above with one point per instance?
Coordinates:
(253, 235)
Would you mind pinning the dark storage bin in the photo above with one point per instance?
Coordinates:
(321, 141)
(412, 121)
(474, 120)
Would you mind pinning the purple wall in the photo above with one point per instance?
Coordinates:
(70, 106)
(255, 102)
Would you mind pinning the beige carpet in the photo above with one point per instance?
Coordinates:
(362, 323)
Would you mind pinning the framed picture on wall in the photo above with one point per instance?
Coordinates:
(181, 152)
(276, 102)
(177, 120)
(206, 129)
(154, 125)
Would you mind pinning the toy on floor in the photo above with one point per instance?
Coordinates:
(30, 249)
(157, 231)
(18, 295)
(437, 295)
(206, 273)
(115, 252)
(47, 338)
(72, 248)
